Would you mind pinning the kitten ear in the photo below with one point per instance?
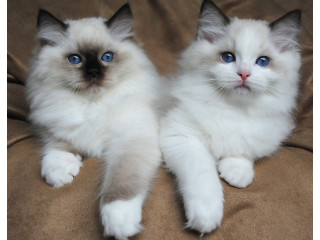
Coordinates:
(212, 22)
(284, 31)
(51, 30)
(121, 23)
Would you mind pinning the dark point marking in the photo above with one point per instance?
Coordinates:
(93, 70)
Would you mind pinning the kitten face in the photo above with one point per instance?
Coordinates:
(89, 58)
(244, 57)
(237, 56)
(87, 54)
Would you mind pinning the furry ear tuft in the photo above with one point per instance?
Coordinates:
(50, 29)
(121, 23)
(212, 22)
(285, 30)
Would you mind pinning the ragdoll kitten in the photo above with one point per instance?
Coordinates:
(236, 89)
(91, 92)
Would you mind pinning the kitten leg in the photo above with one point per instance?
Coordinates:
(59, 163)
(237, 171)
(198, 181)
(128, 176)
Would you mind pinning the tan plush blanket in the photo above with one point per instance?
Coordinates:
(278, 205)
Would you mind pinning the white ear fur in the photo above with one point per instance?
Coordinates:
(212, 22)
(51, 30)
(284, 31)
(121, 23)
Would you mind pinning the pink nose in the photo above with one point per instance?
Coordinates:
(243, 75)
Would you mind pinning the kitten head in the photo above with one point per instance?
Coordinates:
(89, 54)
(243, 57)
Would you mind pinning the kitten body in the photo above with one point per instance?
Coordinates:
(222, 121)
(97, 108)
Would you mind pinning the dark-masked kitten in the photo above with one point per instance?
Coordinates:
(91, 91)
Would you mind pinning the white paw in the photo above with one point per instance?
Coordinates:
(204, 215)
(59, 167)
(238, 172)
(122, 218)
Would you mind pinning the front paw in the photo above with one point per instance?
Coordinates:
(238, 172)
(122, 218)
(59, 167)
(204, 215)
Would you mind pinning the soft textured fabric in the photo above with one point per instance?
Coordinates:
(277, 205)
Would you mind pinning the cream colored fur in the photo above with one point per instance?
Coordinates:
(114, 122)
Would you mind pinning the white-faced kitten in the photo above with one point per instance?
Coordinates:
(91, 91)
(235, 94)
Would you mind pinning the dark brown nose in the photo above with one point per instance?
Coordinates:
(94, 73)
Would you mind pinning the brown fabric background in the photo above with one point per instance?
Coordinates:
(278, 205)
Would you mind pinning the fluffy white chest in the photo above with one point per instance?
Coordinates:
(231, 131)
(85, 125)
(89, 126)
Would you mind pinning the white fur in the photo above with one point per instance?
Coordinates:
(122, 218)
(216, 122)
(59, 167)
(197, 177)
(237, 171)
(108, 122)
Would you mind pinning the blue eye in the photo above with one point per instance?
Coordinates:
(107, 57)
(228, 57)
(263, 61)
(74, 59)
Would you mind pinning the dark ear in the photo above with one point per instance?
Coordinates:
(50, 29)
(212, 22)
(285, 30)
(121, 23)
